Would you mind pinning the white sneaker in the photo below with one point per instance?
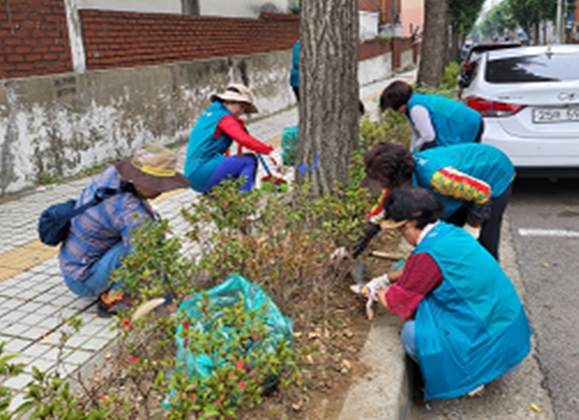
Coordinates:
(477, 392)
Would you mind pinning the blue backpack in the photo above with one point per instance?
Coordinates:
(54, 222)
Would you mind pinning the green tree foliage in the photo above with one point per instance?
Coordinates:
(462, 15)
(530, 12)
(498, 19)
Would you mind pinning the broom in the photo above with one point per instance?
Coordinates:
(278, 181)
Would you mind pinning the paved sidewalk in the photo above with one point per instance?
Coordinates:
(34, 301)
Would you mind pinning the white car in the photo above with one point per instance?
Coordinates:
(529, 99)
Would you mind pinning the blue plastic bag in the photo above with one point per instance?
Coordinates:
(233, 290)
(289, 145)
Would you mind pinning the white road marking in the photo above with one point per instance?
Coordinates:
(561, 233)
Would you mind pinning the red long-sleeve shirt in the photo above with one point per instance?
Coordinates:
(234, 128)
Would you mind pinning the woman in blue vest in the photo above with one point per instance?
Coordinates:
(435, 120)
(474, 181)
(215, 130)
(465, 325)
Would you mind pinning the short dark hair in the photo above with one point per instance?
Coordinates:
(395, 95)
(413, 203)
(389, 163)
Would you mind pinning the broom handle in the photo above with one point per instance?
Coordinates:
(262, 160)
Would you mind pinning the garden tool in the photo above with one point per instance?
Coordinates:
(277, 180)
(370, 292)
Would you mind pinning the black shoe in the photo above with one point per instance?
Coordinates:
(107, 308)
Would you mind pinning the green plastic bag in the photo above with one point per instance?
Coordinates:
(289, 145)
(226, 294)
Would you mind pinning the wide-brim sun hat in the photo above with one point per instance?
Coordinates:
(153, 166)
(236, 92)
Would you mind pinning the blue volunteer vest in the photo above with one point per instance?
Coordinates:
(295, 70)
(481, 161)
(472, 328)
(453, 121)
(204, 151)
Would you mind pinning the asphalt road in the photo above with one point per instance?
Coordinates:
(544, 220)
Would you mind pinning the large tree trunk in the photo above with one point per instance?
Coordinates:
(328, 91)
(454, 45)
(434, 42)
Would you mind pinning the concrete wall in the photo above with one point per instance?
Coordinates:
(61, 124)
(368, 25)
(143, 6)
(406, 59)
(225, 8)
(376, 68)
(241, 8)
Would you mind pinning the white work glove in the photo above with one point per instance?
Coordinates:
(370, 290)
(339, 255)
(379, 282)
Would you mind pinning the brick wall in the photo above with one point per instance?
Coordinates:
(373, 48)
(33, 38)
(379, 46)
(120, 39)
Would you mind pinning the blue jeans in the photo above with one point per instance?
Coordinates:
(98, 282)
(235, 167)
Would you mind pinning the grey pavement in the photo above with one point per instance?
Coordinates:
(35, 303)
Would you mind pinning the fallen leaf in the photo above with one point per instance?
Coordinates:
(298, 334)
(108, 355)
(545, 264)
(297, 406)
(313, 334)
(534, 407)
(348, 333)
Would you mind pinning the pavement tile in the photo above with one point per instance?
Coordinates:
(78, 356)
(96, 343)
(14, 345)
(41, 350)
(17, 400)
(32, 333)
(30, 307)
(76, 341)
(14, 315)
(19, 382)
(33, 319)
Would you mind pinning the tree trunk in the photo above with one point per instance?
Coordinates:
(454, 48)
(434, 42)
(329, 91)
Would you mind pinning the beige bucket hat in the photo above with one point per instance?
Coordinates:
(236, 92)
(153, 166)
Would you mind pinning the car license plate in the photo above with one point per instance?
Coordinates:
(554, 115)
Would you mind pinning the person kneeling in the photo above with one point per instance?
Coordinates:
(465, 325)
(100, 236)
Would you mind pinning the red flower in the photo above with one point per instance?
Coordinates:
(192, 397)
(133, 360)
(185, 341)
(239, 365)
(242, 385)
(104, 397)
(217, 402)
(126, 324)
(186, 324)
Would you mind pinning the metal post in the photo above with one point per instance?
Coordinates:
(558, 37)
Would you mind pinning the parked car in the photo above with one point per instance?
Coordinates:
(529, 100)
(469, 61)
